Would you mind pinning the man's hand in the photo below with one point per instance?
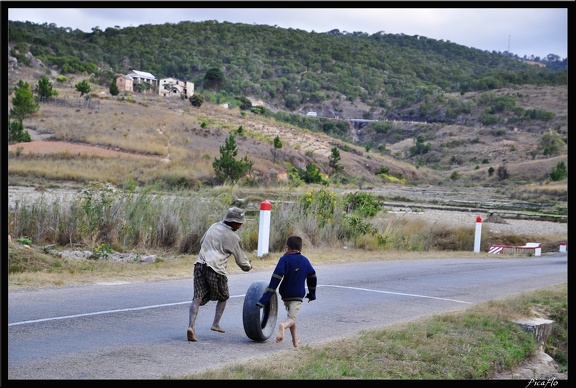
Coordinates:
(310, 297)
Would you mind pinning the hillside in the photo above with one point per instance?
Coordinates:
(448, 138)
(178, 126)
(337, 73)
(180, 150)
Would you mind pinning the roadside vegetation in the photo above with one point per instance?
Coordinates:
(105, 218)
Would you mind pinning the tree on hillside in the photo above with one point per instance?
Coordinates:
(16, 132)
(44, 88)
(114, 88)
(196, 100)
(227, 168)
(551, 143)
(83, 87)
(502, 172)
(277, 146)
(559, 173)
(61, 79)
(214, 78)
(312, 174)
(23, 103)
(334, 161)
(244, 103)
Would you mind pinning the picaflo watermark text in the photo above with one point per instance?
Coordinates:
(551, 382)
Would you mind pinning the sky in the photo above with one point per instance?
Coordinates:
(524, 31)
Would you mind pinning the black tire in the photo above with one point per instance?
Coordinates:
(259, 323)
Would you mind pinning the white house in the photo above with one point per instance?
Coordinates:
(173, 87)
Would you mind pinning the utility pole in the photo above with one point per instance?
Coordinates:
(508, 42)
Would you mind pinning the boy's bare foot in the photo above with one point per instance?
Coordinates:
(280, 336)
(217, 328)
(190, 334)
(296, 343)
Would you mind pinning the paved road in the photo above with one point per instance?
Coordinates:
(138, 330)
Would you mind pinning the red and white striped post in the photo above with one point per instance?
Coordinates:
(264, 228)
(478, 234)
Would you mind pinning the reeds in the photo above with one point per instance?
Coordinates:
(174, 220)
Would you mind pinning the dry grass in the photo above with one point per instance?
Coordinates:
(187, 139)
(524, 172)
(79, 168)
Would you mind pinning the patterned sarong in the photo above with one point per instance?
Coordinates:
(209, 285)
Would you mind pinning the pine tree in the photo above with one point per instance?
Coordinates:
(83, 87)
(227, 168)
(559, 173)
(312, 174)
(114, 88)
(334, 161)
(44, 87)
(16, 133)
(277, 146)
(23, 103)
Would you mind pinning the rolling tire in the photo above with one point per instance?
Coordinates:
(259, 323)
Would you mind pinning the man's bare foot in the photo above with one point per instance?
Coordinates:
(217, 328)
(190, 334)
(280, 336)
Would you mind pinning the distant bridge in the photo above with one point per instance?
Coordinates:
(359, 123)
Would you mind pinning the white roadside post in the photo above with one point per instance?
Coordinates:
(478, 234)
(264, 228)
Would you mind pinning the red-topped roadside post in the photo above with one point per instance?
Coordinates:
(264, 228)
(478, 234)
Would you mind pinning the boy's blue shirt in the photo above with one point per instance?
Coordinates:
(293, 272)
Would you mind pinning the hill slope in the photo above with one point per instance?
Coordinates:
(182, 141)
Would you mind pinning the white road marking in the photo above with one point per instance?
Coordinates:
(397, 293)
(232, 296)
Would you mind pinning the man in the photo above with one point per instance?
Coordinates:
(210, 277)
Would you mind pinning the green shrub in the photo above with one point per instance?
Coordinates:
(559, 173)
(363, 204)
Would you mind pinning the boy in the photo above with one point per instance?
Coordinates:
(292, 272)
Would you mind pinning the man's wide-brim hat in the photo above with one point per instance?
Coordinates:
(235, 214)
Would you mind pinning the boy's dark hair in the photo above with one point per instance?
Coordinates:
(294, 243)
